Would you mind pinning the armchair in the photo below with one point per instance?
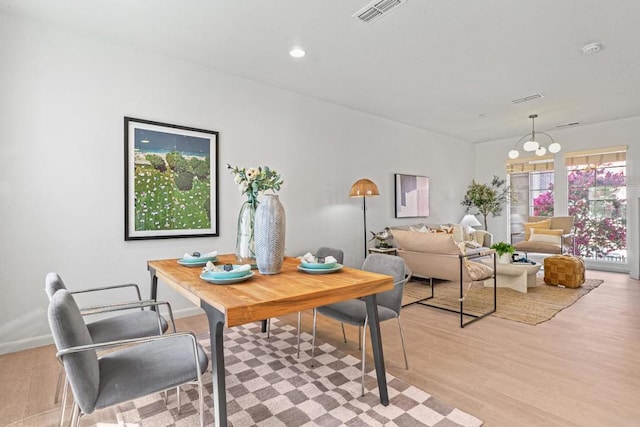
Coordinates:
(133, 321)
(324, 252)
(146, 365)
(354, 312)
(438, 256)
(547, 235)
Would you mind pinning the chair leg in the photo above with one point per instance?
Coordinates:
(344, 335)
(64, 400)
(364, 347)
(75, 415)
(178, 399)
(406, 362)
(313, 340)
(61, 377)
(268, 328)
(299, 316)
(359, 338)
(201, 402)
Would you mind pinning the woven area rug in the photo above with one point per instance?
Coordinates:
(268, 386)
(538, 305)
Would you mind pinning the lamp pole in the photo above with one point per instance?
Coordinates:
(362, 188)
(364, 212)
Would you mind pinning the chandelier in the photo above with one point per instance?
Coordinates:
(532, 144)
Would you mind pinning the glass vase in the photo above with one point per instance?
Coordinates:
(245, 244)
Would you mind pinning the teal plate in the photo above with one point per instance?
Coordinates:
(226, 274)
(196, 262)
(228, 281)
(316, 266)
(337, 267)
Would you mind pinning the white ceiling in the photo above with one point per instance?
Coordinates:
(449, 66)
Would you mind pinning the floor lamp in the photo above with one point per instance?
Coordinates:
(364, 188)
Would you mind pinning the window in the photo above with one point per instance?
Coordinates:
(531, 182)
(597, 199)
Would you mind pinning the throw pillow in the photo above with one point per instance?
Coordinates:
(447, 229)
(550, 236)
(545, 224)
(422, 229)
(478, 271)
(458, 232)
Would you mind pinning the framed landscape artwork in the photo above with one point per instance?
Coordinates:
(171, 181)
(411, 196)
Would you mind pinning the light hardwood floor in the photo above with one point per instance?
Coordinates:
(581, 368)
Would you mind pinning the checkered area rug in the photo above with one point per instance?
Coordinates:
(268, 386)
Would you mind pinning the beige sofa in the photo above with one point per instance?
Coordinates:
(439, 256)
(477, 239)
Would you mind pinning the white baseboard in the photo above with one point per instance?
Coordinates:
(42, 340)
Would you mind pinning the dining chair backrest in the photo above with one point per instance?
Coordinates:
(69, 330)
(53, 283)
(393, 266)
(324, 252)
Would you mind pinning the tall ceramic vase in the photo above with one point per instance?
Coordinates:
(245, 243)
(269, 234)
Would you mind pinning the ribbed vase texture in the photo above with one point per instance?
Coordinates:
(270, 225)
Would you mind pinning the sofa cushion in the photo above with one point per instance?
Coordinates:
(434, 243)
(541, 235)
(563, 222)
(538, 247)
(546, 224)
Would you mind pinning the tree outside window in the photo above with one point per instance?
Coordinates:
(597, 201)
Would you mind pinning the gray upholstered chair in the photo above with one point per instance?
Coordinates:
(146, 365)
(354, 312)
(324, 252)
(131, 321)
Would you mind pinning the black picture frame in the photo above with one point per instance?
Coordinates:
(170, 181)
(411, 196)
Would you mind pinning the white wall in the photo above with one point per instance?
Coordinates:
(491, 156)
(62, 103)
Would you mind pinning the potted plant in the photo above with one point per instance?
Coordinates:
(486, 199)
(504, 251)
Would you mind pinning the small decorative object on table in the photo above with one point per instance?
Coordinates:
(504, 251)
(252, 182)
(382, 238)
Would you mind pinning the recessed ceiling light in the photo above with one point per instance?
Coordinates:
(297, 52)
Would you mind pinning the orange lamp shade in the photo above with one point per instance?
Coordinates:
(364, 187)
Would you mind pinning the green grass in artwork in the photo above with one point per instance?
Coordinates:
(170, 200)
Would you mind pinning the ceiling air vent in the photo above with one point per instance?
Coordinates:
(567, 125)
(377, 9)
(527, 98)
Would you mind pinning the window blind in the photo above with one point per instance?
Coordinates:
(596, 156)
(531, 164)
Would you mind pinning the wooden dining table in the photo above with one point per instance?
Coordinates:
(264, 296)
